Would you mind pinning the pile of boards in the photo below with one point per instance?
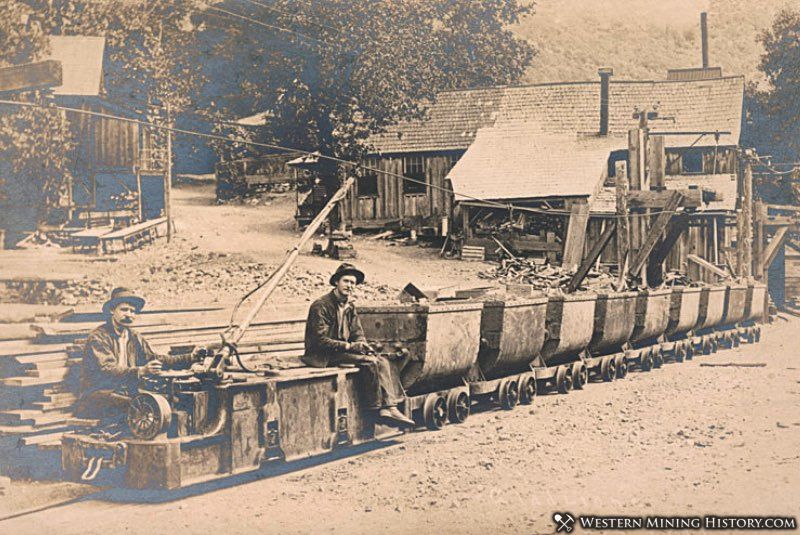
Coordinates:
(41, 353)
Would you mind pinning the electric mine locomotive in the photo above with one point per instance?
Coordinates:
(223, 417)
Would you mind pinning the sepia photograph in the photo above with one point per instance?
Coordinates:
(399, 266)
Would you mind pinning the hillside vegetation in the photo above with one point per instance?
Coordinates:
(641, 39)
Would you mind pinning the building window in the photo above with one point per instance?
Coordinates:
(692, 161)
(613, 158)
(414, 167)
(368, 184)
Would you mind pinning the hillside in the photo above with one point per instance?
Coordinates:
(641, 39)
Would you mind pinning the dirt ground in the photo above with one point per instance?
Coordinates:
(682, 440)
(226, 250)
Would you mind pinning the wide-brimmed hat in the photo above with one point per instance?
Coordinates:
(347, 269)
(123, 295)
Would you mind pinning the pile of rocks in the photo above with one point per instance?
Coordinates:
(544, 277)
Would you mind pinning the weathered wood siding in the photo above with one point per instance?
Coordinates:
(104, 143)
(391, 204)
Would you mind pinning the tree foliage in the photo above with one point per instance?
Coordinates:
(333, 71)
(776, 111)
(34, 142)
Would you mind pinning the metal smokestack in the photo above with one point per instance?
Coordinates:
(605, 80)
(704, 37)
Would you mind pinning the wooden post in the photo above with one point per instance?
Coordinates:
(621, 173)
(168, 179)
(744, 223)
(654, 234)
(759, 213)
(576, 236)
(139, 201)
(656, 162)
(592, 257)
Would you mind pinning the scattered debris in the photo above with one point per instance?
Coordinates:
(544, 276)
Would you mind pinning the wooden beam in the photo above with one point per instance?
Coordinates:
(655, 232)
(744, 223)
(576, 236)
(692, 198)
(771, 251)
(677, 225)
(592, 257)
(708, 266)
(656, 161)
(759, 215)
(31, 76)
(621, 174)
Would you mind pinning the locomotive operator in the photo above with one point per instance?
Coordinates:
(116, 357)
(334, 336)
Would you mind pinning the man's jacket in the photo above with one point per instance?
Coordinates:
(101, 369)
(323, 338)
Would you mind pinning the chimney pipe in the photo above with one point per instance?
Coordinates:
(704, 37)
(605, 80)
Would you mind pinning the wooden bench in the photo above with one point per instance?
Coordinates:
(132, 237)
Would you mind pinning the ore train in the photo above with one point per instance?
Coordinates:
(188, 427)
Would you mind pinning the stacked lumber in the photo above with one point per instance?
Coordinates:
(40, 368)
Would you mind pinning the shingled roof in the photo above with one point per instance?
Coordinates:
(574, 108)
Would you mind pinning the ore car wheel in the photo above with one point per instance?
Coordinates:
(435, 411)
(580, 375)
(658, 358)
(527, 389)
(757, 334)
(646, 360)
(689, 351)
(736, 339)
(508, 393)
(457, 406)
(564, 379)
(621, 365)
(148, 415)
(714, 345)
(680, 352)
(608, 369)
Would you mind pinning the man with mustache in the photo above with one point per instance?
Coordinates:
(334, 336)
(116, 357)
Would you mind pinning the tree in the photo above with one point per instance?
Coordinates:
(332, 72)
(779, 105)
(34, 142)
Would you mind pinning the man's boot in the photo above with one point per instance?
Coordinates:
(393, 415)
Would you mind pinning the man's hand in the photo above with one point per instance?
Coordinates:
(362, 348)
(153, 367)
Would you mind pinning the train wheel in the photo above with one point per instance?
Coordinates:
(148, 415)
(621, 365)
(679, 352)
(658, 358)
(608, 369)
(457, 406)
(706, 347)
(646, 360)
(564, 379)
(689, 351)
(757, 334)
(435, 411)
(580, 375)
(527, 389)
(714, 345)
(508, 393)
(736, 339)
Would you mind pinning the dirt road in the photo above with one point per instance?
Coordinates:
(684, 439)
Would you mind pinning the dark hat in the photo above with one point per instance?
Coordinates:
(122, 295)
(347, 269)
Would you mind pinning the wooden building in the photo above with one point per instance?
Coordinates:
(428, 149)
(118, 168)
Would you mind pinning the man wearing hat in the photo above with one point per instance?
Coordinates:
(334, 336)
(116, 357)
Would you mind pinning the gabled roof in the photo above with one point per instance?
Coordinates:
(525, 163)
(574, 108)
(81, 60)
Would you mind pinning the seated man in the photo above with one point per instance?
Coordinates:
(334, 336)
(115, 358)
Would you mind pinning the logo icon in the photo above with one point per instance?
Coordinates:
(565, 522)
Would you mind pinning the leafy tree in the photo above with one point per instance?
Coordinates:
(777, 110)
(33, 141)
(330, 72)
